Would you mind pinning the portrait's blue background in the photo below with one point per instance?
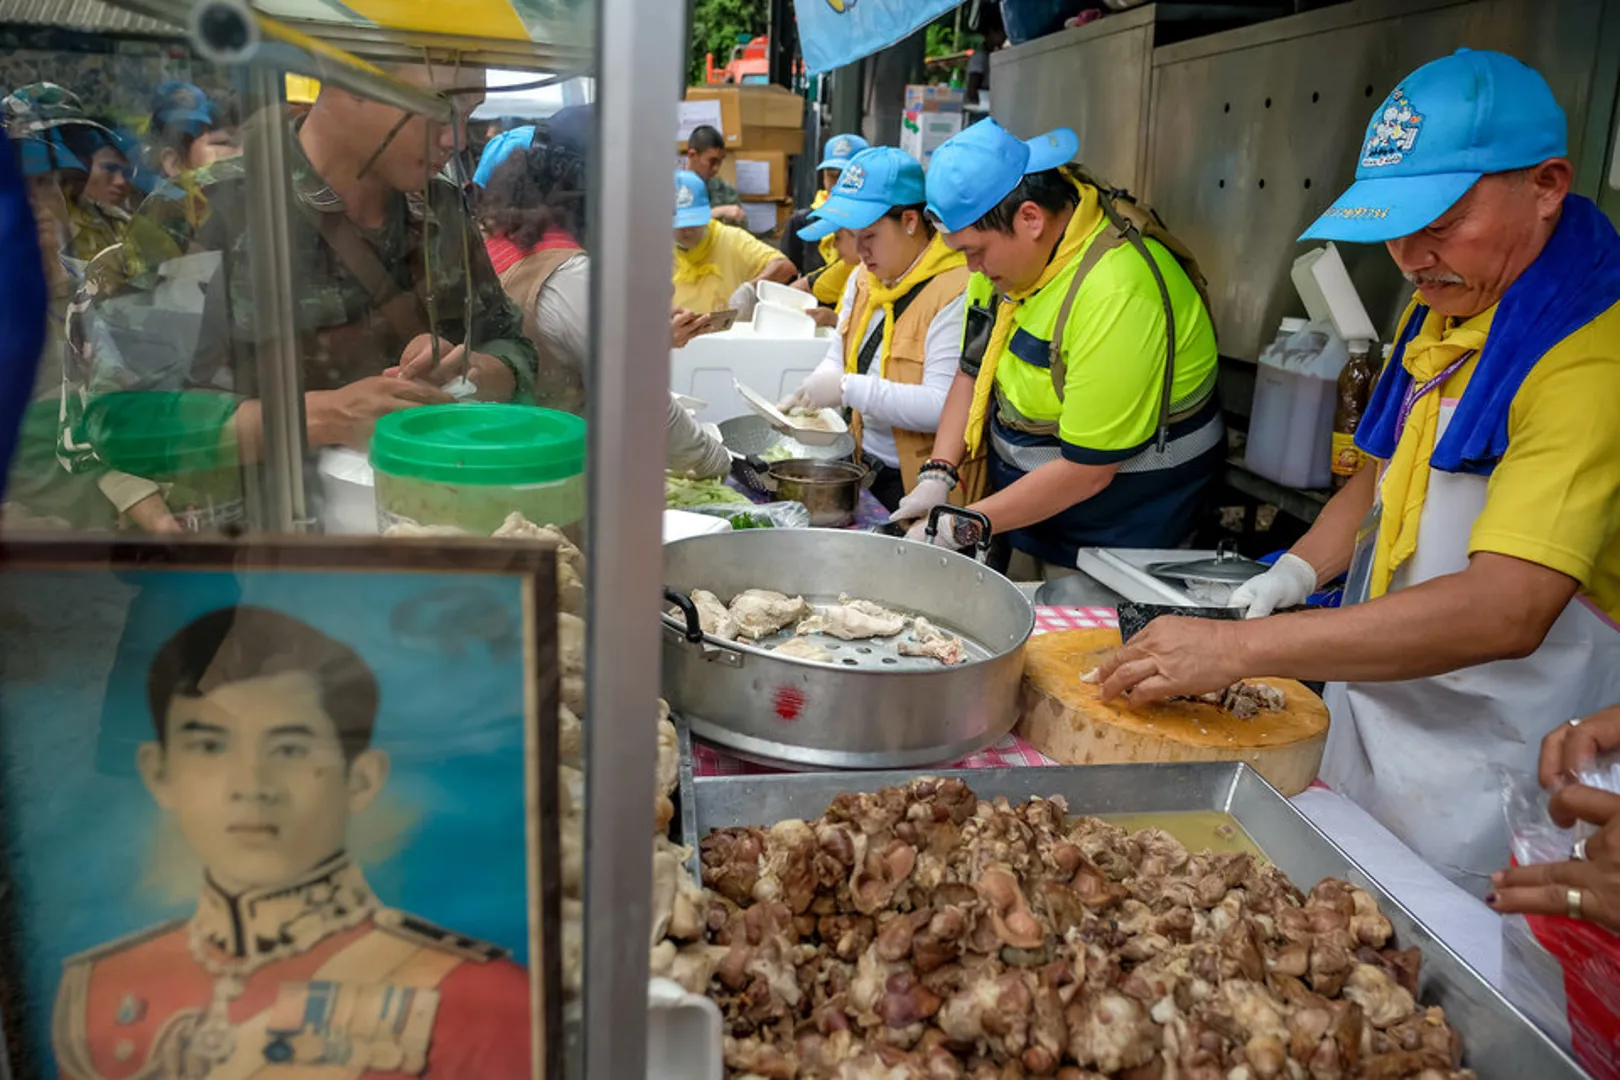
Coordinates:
(80, 829)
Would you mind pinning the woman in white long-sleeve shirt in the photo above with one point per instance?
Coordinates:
(533, 210)
(900, 326)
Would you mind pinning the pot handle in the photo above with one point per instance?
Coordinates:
(982, 547)
(694, 628)
(869, 479)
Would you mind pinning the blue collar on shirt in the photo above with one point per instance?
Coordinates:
(1575, 279)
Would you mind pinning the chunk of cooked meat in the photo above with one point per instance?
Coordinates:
(920, 933)
(760, 612)
(713, 616)
(929, 640)
(801, 648)
(853, 620)
(1245, 700)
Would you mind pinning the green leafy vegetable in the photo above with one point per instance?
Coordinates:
(683, 493)
(750, 521)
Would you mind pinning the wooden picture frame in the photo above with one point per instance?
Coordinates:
(308, 971)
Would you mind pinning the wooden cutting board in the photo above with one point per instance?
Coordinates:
(1064, 718)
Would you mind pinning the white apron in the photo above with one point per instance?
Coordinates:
(1419, 755)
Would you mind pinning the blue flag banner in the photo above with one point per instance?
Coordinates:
(833, 33)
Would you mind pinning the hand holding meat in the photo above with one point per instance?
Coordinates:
(1174, 657)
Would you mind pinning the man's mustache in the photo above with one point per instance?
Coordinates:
(1421, 280)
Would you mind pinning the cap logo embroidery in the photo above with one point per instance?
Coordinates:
(840, 148)
(1395, 133)
(683, 197)
(853, 180)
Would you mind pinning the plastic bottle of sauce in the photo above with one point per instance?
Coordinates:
(1355, 389)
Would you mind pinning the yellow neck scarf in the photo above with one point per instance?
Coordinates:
(828, 245)
(693, 264)
(935, 259)
(1405, 483)
(1073, 244)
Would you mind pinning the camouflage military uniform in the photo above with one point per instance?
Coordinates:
(167, 343)
(342, 332)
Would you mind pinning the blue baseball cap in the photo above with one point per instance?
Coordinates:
(874, 181)
(498, 149)
(1444, 126)
(840, 148)
(691, 200)
(976, 168)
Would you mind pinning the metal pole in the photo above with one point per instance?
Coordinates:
(230, 32)
(641, 45)
(280, 375)
(780, 46)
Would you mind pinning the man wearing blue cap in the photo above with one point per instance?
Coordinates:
(1486, 588)
(716, 265)
(1087, 391)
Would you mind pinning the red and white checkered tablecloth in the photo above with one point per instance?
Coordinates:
(1009, 751)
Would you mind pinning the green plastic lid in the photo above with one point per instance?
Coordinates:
(480, 444)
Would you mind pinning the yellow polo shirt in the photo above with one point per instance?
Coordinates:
(1554, 498)
(736, 255)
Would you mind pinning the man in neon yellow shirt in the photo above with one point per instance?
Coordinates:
(1487, 579)
(716, 265)
(1063, 395)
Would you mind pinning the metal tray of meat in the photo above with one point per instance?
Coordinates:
(1499, 1043)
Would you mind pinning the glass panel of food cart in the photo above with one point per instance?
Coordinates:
(281, 306)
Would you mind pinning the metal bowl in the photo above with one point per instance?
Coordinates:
(831, 490)
(752, 436)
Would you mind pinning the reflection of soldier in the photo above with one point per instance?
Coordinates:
(289, 967)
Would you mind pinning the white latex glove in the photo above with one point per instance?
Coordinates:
(1288, 583)
(823, 388)
(920, 502)
(744, 300)
(918, 534)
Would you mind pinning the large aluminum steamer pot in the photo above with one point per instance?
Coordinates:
(868, 709)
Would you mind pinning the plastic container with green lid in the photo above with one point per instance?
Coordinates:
(469, 466)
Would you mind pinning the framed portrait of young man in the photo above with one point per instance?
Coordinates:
(279, 809)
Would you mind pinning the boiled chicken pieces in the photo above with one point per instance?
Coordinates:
(760, 612)
(853, 620)
(803, 649)
(929, 640)
(713, 617)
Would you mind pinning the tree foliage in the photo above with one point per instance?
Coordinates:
(716, 27)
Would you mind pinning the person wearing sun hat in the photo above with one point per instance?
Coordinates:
(1063, 427)
(1485, 595)
(900, 318)
(716, 265)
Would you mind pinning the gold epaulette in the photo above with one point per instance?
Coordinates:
(430, 935)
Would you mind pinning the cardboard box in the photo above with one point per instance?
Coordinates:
(747, 109)
(921, 133)
(933, 98)
(763, 173)
(761, 211)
